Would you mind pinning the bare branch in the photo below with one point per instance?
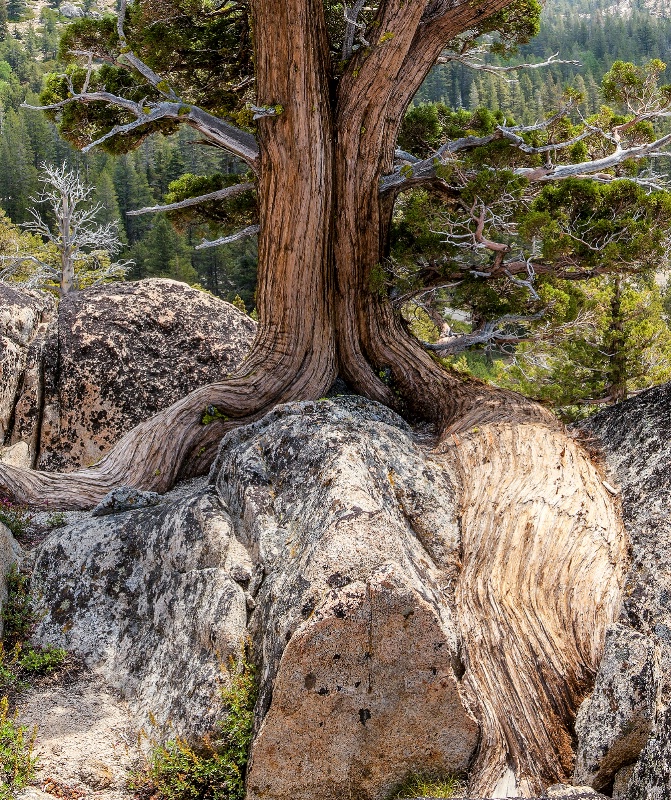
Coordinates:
(468, 61)
(252, 230)
(220, 194)
(492, 334)
(353, 25)
(218, 132)
(598, 166)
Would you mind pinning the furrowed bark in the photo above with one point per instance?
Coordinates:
(544, 560)
(293, 356)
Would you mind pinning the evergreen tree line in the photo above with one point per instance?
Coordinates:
(28, 140)
(587, 31)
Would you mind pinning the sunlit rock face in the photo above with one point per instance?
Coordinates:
(624, 730)
(329, 539)
(111, 357)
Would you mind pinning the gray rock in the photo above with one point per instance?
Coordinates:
(71, 11)
(635, 438)
(147, 600)
(345, 538)
(613, 725)
(111, 357)
(651, 777)
(575, 792)
(24, 317)
(124, 498)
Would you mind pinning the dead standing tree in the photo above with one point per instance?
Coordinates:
(537, 515)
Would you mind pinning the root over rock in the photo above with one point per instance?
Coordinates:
(409, 611)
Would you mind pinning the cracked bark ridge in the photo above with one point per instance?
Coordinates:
(538, 522)
(398, 625)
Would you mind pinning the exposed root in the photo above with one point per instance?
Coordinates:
(173, 444)
(544, 558)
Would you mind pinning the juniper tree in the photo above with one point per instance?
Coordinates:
(312, 104)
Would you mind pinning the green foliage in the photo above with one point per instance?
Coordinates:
(56, 520)
(428, 785)
(14, 516)
(214, 767)
(235, 212)
(18, 613)
(623, 345)
(45, 661)
(211, 414)
(17, 763)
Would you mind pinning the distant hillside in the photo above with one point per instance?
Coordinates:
(594, 32)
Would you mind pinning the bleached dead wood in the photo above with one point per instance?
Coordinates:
(544, 559)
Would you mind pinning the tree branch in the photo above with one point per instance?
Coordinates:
(215, 130)
(252, 230)
(220, 194)
(494, 333)
(239, 143)
(469, 62)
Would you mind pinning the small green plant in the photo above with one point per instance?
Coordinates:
(15, 517)
(18, 613)
(17, 763)
(210, 414)
(44, 661)
(215, 767)
(57, 520)
(428, 785)
(9, 678)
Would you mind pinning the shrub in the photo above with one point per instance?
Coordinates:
(18, 614)
(44, 661)
(17, 763)
(214, 767)
(15, 517)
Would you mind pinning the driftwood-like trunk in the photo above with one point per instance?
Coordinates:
(538, 525)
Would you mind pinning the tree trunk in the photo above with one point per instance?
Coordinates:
(67, 262)
(293, 356)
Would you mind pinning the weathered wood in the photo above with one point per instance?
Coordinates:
(544, 562)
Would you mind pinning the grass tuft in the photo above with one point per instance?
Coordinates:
(429, 785)
(17, 762)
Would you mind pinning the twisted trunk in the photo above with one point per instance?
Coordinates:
(293, 356)
(535, 512)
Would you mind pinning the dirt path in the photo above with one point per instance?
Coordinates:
(85, 742)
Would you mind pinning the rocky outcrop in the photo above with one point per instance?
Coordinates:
(623, 729)
(113, 356)
(330, 537)
(24, 318)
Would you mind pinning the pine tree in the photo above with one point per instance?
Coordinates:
(16, 9)
(4, 29)
(19, 182)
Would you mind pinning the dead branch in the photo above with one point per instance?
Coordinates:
(220, 194)
(252, 230)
